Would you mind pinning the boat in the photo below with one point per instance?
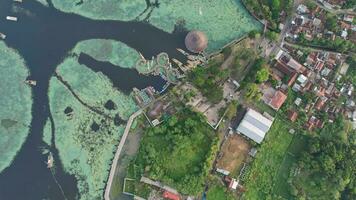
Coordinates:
(11, 18)
(2, 36)
(50, 160)
(31, 82)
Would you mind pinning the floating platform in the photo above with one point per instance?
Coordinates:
(11, 18)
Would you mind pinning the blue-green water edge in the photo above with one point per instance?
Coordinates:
(80, 65)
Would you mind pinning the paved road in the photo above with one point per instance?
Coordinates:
(118, 152)
(335, 11)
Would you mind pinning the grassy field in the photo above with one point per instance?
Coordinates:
(218, 192)
(259, 184)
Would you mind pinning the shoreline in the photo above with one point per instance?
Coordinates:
(118, 152)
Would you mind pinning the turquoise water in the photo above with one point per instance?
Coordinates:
(221, 20)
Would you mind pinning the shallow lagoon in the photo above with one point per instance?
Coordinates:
(75, 138)
(222, 20)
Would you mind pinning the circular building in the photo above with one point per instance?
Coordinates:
(196, 41)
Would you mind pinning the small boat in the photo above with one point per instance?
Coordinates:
(50, 160)
(142, 57)
(31, 82)
(2, 36)
(11, 18)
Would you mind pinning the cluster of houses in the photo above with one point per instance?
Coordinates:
(320, 75)
(311, 22)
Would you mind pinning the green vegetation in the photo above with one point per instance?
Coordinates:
(349, 4)
(209, 80)
(218, 192)
(272, 35)
(244, 55)
(262, 75)
(87, 152)
(281, 187)
(103, 9)
(257, 74)
(269, 9)
(179, 152)
(231, 109)
(253, 92)
(111, 51)
(338, 44)
(262, 176)
(331, 23)
(254, 34)
(16, 103)
(211, 17)
(326, 168)
(351, 72)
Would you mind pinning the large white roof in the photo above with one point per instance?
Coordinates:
(254, 125)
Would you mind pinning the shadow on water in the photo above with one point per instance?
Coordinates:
(131, 79)
(43, 36)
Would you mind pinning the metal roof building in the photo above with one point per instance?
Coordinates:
(254, 125)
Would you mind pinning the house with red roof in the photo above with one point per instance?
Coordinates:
(277, 100)
(292, 115)
(170, 196)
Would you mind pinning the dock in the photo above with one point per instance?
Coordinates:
(11, 18)
(117, 154)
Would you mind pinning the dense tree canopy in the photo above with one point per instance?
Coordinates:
(262, 75)
(208, 80)
(179, 152)
(328, 165)
(269, 10)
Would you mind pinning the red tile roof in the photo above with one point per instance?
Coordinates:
(277, 100)
(171, 196)
(292, 115)
(319, 104)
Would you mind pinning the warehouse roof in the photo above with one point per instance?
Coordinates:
(254, 125)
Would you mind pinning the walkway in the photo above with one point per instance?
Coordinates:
(335, 11)
(117, 154)
(159, 185)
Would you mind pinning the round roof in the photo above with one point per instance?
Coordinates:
(196, 41)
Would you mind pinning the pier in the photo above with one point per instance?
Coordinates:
(117, 154)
